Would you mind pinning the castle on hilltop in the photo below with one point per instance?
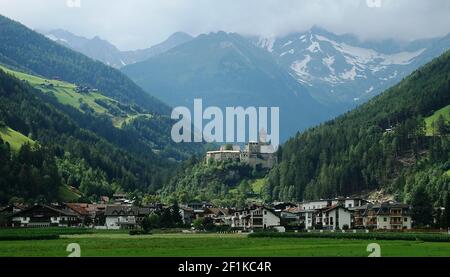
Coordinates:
(254, 154)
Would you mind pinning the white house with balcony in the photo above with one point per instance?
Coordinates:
(255, 217)
(334, 218)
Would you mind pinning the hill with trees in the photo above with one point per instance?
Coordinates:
(97, 163)
(67, 121)
(383, 144)
(34, 53)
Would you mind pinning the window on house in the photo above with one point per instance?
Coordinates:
(406, 219)
(385, 219)
(265, 212)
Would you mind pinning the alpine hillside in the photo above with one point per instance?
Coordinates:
(398, 142)
(70, 123)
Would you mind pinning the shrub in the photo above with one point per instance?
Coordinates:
(135, 232)
(362, 236)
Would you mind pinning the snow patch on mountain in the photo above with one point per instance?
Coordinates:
(329, 61)
(54, 38)
(287, 43)
(350, 74)
(267, 43)
(292, 51)
(314, 47)
(300, 67)
(362, 56)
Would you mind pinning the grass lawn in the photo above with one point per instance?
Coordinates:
(67, 194)
(445, 112)
(215, 245)
(15, 139)
(66, 94)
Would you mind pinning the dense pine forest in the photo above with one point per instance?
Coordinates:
(118, 140)
(86, 160)
(223, 183)
(385, 143)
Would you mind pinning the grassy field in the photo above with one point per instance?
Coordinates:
(200, 245)
(15, 139)
(445, 112)
(68, 194)
(66, 94)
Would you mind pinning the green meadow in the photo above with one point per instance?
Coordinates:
(444, 112)
(14, 138)
(118, 244)
(67, 94)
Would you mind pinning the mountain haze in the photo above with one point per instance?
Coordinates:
(103, 51)
(224, 70)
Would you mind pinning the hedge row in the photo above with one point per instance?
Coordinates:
(12, 237)
(360, 236)
(39, 233)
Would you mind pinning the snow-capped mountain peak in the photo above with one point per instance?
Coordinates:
(341, 66)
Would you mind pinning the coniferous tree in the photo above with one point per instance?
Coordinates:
(422, 209)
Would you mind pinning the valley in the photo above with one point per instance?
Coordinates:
(107, 131)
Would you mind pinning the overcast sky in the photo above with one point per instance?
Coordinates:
(131, 24)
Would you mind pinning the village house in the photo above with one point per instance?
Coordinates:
(46, 216)
(315, 205)
(386, 216)
(121, 199)
(304, 217)
(6, 212)
(323, 203)
(187, 214)
(255, 217)
(349, 202)
(121, 217)
(219, 215)
(336, 217)
(91, 213)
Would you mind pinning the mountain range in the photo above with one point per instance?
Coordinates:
(312, 76)
(227, 70)
(343, 69)
(340, 70)
(102, 50)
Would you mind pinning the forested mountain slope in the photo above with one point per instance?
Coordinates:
(27, 50)
(382, 144)
(69, 146)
